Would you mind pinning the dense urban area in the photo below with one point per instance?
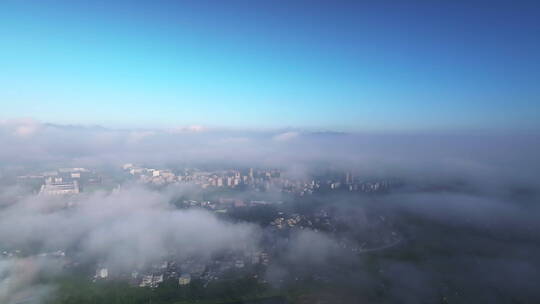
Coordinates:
(234, 195)
(338, 221)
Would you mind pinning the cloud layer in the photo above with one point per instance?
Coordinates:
(485, 157)
(467, 210)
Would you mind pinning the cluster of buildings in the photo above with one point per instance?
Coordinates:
(184, 271)
(292, 221)
(259, 179)
(226, 178)
(151, 280)
(64, 181)
(223, 205)
(148, 175)
(69, 181)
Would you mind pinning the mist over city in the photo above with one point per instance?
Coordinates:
(269, 152)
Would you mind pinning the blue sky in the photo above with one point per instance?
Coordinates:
(342, 65)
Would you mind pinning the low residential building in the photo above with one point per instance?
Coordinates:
(184, 279)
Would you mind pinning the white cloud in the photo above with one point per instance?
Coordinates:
(286, 136)
(23, 127)
(187, 129)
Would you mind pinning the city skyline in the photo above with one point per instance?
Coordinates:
(314, 65)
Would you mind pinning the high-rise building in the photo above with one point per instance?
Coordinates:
(59, 187)
(349, 178)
